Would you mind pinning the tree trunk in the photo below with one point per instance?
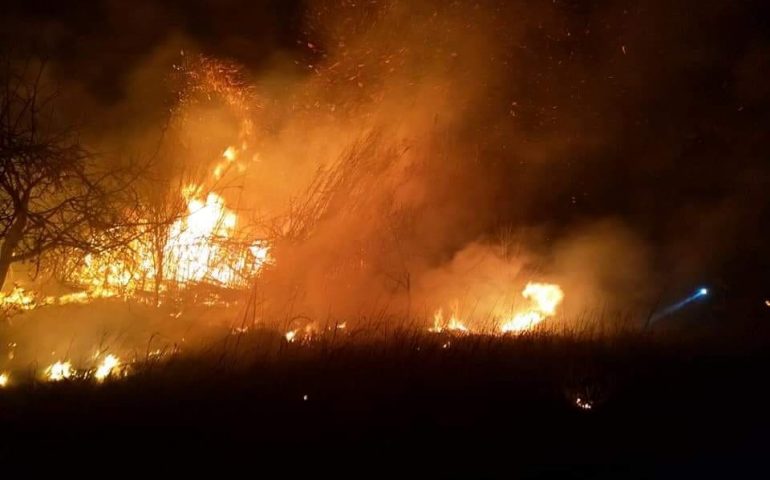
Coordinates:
(10, 242)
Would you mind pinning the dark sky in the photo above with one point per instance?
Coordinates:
(677, 94)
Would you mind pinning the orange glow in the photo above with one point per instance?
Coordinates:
(545, 299)
(59, 371)
(109, 365)
(453, 324)
(18, 298)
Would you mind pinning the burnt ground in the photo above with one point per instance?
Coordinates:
(401, 406)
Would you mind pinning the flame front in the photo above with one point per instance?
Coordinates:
(106, 368)
(545, 298)
(18, 299)
(192, 242)
(454, 324)
(59, 371)
(202, 246)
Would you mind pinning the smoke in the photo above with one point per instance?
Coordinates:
(409, 156)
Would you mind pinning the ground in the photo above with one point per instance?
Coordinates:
(661, 405)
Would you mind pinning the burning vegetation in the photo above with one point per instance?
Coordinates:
(501, 229)
(193, 245)
(353, 186)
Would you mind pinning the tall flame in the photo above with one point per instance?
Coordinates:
(201, 246)
(545, 298)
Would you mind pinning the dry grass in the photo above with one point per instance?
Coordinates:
(446, 403)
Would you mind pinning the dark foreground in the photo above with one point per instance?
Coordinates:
(408, 406)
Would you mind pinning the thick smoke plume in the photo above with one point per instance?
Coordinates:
(408, 156)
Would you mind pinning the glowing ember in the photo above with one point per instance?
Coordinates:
(59, 371)
(544, 297)
(106, 368)
(18, 298)
(583, 404)
(4, 379)
(230, 154)
(77, 297)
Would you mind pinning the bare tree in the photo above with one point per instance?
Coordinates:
(53, 191)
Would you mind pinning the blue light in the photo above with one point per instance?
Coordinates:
(699, 293)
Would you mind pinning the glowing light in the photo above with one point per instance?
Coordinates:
(545, 298)
(230, 154)
(700, 293)
(290, 335)
(522, 321)
(583, 404)
(105, 369)
(59, 371)
(4, 379)
(201, 247)
(18, 298)
(453, 325)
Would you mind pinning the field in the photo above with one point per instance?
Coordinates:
(630, 404)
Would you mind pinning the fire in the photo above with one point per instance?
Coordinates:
(198, 250)
(4, 379)
(545, 298)
(59, 371)
(202, 247)
(583, 404)
(230, 154)
(191, 244)
(105, 369)
(454, 324)
(18, 299)
(304, 334)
